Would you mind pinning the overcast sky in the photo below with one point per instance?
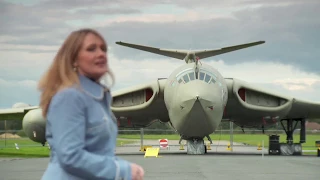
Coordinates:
(289, 62)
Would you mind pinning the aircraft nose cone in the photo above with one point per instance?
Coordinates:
(197, 109)
(197, 92)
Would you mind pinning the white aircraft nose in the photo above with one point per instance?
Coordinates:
(206, 104)
(205, 93)
(199, 109)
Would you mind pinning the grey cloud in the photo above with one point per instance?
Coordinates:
(29, 50)
(290, 31)
(238, 4)
(108, 11)
(276, 2)
(295, 84)
(83, 8)
(30, 24)
(317, 86)
(49, 17)
(62, 4)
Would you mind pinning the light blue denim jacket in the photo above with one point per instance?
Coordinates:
(81, 131)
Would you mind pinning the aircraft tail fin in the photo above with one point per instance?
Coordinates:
(214, 52)
(182, 54)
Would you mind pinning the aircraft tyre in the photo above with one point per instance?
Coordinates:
(196, 146)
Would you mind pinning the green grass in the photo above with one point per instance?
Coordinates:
(28, 148)
(19, 141)
(25, 152)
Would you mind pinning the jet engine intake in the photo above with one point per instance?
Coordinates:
(33, 125)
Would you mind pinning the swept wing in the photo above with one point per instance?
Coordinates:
(140, 105)
(252, 106)
(15, 113)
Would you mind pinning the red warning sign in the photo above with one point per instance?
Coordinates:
(163, 143)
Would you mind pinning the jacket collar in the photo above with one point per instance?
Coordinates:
(92, 88)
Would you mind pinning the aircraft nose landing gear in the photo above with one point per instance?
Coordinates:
(196, 146)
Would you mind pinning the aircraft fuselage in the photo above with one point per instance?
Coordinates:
(195, 96)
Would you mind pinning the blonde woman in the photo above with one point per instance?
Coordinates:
(80, 127)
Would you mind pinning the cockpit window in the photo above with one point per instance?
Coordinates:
(207, 78)
(186, 78)
(189, 75)
(201, 77)
(210, 76)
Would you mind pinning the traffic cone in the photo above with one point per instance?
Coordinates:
(228, 147)
(181, 147)
(259, 147)
(208, 146)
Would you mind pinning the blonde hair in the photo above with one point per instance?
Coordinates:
(60, 74)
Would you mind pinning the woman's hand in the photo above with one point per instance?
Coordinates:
(137, 172)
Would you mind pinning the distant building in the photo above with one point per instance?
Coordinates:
(312, 126)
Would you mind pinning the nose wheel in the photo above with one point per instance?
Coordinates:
(196, 146)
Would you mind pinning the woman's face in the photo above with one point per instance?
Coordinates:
(92, 57)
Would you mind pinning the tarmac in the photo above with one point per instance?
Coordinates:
(242, 163)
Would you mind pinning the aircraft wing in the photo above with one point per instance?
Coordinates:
(141, 105)
(251, 106)
(15, 113)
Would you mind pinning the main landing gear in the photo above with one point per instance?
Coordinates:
(288, 148)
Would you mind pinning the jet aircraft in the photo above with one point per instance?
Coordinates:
(194, 100)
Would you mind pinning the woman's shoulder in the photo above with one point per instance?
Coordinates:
(69, 94)
(69, 91)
